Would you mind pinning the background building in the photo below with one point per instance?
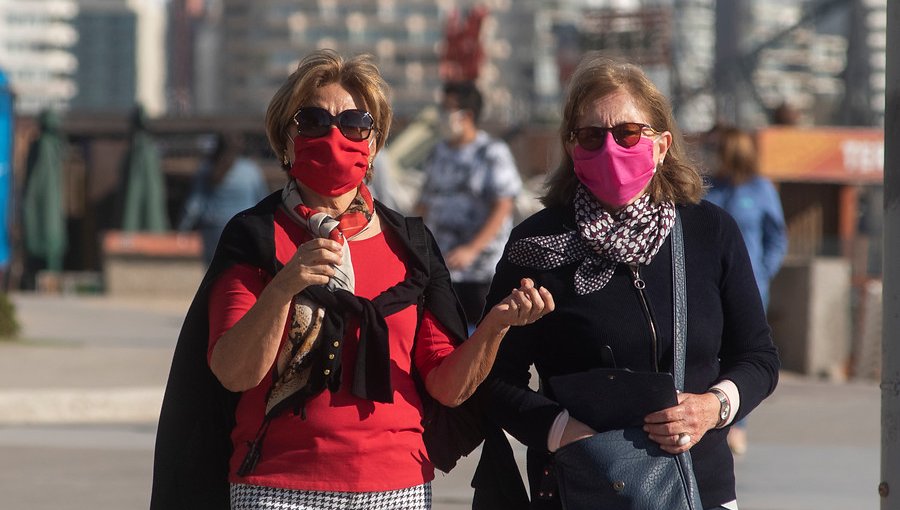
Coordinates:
(105, 51)
(260, 43)
(89, 55)
(36, 50)
(121, 59)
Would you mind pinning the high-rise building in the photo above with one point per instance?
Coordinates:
(184, 20)
(824, 59)
(874, 27)
(262, 42)
(121, 57)
(106, 49)
(36, 44)
(150, 56)
(734, 61)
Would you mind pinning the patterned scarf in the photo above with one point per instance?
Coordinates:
(294, 364)
(632, 235)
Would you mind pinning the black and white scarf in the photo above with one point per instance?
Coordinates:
(632, 235)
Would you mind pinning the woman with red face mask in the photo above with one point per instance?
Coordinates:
(323, 356)
(648, 280)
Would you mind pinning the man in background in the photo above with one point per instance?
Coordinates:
(471, 182)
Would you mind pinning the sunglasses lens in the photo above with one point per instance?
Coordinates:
(313, 122)
(628, 134)
(590, 138)
(356, 125)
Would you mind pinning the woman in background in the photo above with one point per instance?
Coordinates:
(753, 202)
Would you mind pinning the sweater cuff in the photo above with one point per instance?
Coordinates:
(556, 431)
(734, 398)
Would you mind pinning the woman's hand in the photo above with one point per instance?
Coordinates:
(312, 264)
(462, 257)
(522, 306)
(678, 428)
(455, 379)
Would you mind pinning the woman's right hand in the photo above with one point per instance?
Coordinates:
(312, 264)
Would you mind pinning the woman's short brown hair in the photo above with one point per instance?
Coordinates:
(598, 76)
(358, 75)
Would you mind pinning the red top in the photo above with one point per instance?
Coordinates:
(346, 443)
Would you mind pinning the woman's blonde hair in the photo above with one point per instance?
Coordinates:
(737, 156)
(358, 75)
(598, 76)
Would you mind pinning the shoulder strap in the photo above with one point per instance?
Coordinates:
(680, 301)
(415, 228)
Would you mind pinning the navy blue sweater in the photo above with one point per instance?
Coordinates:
(728, 336)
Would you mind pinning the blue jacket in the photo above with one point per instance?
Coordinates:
(756, 208)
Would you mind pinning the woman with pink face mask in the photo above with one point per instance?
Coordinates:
(620, 208)
(322, 362)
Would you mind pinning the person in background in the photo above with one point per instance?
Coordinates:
(323, 328)
(603, 248)
(471, 182)
(227, 183)
(753, 202)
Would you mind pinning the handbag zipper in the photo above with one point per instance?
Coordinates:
(639, 284)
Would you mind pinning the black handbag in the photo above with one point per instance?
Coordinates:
(622, 469)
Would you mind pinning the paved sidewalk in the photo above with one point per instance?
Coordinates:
(87, 360)
(813, 445)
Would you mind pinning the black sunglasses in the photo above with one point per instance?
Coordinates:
(627, 135)
(313, 122)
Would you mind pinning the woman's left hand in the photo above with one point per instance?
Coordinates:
(678, 428)
(523, 305)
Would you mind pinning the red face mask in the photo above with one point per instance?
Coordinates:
(330, 165)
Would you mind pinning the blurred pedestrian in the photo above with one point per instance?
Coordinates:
(468, 199)
(753, 202)
(227, 183)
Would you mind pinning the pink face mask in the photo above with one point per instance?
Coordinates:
(613, 173)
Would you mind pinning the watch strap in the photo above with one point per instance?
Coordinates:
(724, 407)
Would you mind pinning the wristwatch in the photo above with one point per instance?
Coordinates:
(724, 406)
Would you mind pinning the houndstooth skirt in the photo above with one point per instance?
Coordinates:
(255, 497)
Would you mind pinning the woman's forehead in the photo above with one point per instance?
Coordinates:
(611, 109)
(334, 97)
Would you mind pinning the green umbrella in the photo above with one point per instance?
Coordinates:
(43, 214)
(145, 192)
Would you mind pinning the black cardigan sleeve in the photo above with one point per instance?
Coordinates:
(748, 356)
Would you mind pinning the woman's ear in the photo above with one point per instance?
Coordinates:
(661, 146)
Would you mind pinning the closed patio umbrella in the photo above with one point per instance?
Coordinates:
(145, 192)
(43, 214)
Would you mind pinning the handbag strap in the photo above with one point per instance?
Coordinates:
(680, 302)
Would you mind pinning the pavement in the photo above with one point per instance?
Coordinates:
(80, 393)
